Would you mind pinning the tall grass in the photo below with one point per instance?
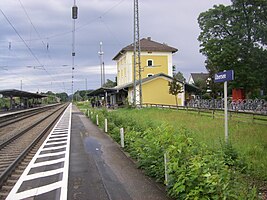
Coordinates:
(248, 139)
(200, 164)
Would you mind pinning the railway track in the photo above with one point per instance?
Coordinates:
(17, 151)
(17, 121)
(5, 120)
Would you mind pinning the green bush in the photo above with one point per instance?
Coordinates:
(194, 170)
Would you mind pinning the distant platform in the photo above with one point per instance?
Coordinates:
(20, 93)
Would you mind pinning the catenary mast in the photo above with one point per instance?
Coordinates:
(74, 17)
(137, 96)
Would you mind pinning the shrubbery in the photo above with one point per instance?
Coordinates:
(194, 171)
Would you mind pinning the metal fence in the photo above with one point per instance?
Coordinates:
(246, 105)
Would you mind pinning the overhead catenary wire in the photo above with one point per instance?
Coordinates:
(25, 43)
(42, 37)
(20, 37)
(46, 45)
(83, 25)
(7, 70)
(35, 29)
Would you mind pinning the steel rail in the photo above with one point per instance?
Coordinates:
(4, 176)
(5, 143)
(14, 120)
(10, 116)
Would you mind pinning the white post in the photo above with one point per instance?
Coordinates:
(106, 125)
(106, 98)
(166, 168)
(122, 137)
(97, 120)
(225, 113)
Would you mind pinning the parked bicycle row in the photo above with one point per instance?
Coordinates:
(256, 105)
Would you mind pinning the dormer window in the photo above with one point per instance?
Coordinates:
(150, 63)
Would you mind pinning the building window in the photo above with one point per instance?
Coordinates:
(148, 75)
(150, 63)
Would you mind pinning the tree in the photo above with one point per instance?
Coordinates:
(109, 84)
(179, 75)
(235, 37)
(63, 96)
(81, 95)
(175, 88)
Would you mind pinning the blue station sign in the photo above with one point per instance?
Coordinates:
(224, 76)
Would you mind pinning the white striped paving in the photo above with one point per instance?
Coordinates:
(52, 148)
(50, 162)
(43, 174)
(51, 154)
(62, 128)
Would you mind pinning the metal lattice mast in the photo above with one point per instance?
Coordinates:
(137, 98)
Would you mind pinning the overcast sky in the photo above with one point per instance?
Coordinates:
(36, 39)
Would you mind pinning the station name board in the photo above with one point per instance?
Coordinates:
(224, 76)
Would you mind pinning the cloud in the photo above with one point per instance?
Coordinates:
(110, 21)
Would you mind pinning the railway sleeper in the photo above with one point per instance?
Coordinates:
(5, 165)
(7, 153)
(27, 159)
(21, 167)
(24, 163)
(8, 156)
(18, 171)
(31, 154)
(11, 182)
(15, 176)
(3, 194)
(7, 188)
(7, 160)
(3, 169)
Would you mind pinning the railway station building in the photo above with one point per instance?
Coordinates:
(157, 72)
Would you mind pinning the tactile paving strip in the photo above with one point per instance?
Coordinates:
(46, 176)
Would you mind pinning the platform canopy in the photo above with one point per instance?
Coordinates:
(19, 93)
(101, 91)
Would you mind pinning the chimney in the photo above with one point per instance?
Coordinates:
(149, 38)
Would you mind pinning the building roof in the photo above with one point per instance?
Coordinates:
(146, 44)
(144, 80)
(19, 93)
(199, 76)
(102, 90)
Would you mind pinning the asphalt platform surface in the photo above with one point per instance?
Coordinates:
(99, 170)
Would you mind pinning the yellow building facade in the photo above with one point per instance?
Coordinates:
(157, 72)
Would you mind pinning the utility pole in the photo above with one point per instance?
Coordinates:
(74, 17)
(86, 88)
(102, 67)
(137, 98)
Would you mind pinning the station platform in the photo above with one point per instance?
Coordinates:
(86, 165)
